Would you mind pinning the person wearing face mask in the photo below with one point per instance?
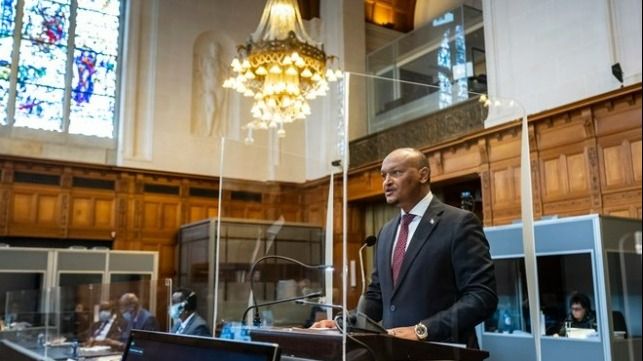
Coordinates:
(184, 316)
(109, 327)
(136, 316)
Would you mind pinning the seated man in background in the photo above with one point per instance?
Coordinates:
(580, 315)
(136, 316)
(184, 316)
(109, 327)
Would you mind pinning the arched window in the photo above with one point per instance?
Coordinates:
(58, 65)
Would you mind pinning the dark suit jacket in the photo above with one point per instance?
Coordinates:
(115, 331)
(196, 327)
(143, 321)
(447, 280)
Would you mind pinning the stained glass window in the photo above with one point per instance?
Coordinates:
(58, 72)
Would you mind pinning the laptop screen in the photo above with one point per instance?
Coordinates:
(158, 346)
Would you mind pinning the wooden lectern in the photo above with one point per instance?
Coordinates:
(326, 345)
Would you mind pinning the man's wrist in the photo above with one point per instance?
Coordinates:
(421, 331)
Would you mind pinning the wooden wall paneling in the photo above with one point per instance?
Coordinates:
(620, 156)
(565, 181)
(618, 130)
(6, 181)
(199, 209)
(635, 155)
(503, 145)
(485, 189)
(616, 161)
(500, 176)
(289, 203)
(505, 191)
(36, 211)
(458, 160)
(365, 184)
(161, 215)
(5, 194)
(241, 209)
(536, 190)
(565, 143)
(614, 116)
(314, 202)
(200, 198)
(619, 159)
(92, 215)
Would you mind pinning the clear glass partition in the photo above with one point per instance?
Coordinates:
(624, 266)
(448, 54)
(274, 255)
(83, 320)
(272, 245)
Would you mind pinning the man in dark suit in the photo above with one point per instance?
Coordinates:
(109, 327)
(433, 277)
(183, 312)
(137, 317)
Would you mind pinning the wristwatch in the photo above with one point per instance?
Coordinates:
(421, 331)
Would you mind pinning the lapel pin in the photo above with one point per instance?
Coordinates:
(431, 221)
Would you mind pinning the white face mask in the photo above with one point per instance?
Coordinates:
(11, 317)
(175, 310)
(104, 316)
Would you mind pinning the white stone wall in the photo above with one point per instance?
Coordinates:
(550, 53)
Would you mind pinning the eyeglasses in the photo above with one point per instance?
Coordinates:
(577, 308)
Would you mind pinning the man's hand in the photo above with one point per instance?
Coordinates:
(324, 324)
(404, 332)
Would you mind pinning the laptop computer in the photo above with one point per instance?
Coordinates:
(160, 346)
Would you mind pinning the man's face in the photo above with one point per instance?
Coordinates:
(402, 180)
(125, 306)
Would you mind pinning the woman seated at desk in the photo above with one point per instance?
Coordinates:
(580, 316)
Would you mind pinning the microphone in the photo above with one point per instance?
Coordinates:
(368, 242)
(318, 304)
(257, 320)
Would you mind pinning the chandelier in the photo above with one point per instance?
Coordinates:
(281, 68)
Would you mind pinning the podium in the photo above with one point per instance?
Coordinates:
(326, 345)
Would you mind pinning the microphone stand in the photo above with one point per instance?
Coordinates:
(257, 320)
(318, 304)
(368, 242)
(352, 320)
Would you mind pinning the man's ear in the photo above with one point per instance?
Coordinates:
(424, 174)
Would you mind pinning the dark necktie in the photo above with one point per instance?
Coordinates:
(100, 329)
(400, 246)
